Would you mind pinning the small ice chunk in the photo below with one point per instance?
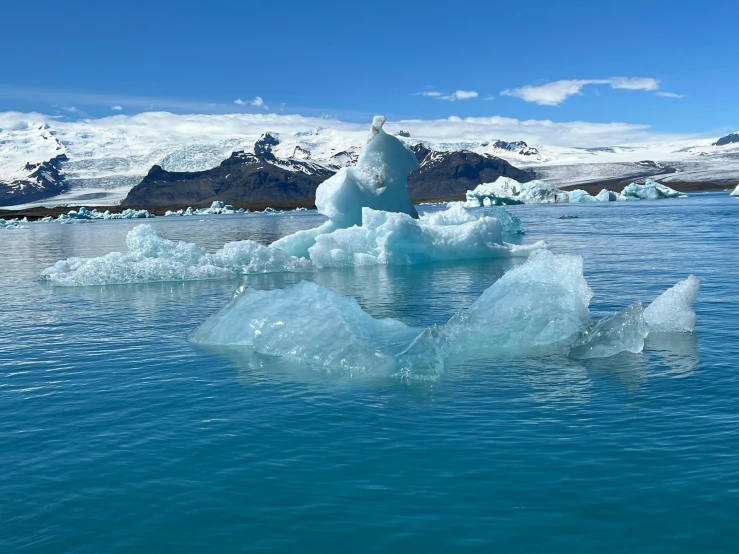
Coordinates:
(672, 311)
(735, 192)
(623, 331)
(315, 327)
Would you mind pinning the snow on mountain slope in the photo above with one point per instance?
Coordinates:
(107, 157)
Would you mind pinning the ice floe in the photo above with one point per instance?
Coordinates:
(151, 257)
(14, 223)
(216, 208)
(87, 215)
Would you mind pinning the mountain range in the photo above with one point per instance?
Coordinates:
(159, 159)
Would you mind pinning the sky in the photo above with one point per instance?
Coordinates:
(672, 66)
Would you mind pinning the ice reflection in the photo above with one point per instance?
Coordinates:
(677, 351)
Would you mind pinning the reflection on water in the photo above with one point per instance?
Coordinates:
(677, 351)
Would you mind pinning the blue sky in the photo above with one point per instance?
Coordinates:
(350, 60)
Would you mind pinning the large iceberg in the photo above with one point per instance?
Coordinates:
(151, 257)
(505, 191)
(398, 239)
(379, 181)
(541, 306)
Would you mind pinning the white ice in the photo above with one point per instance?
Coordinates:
(398, 239)
(506, 190)
(457, 214)
(378, 181)
(672, 311)
(735, 192)
(87, 215)
(151, 257)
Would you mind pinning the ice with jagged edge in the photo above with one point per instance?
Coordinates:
(672, 311)
(625, 331)
(398, 239)
(87, 215)
(216, 208)
(379, 181)
(539, 306)
(505, 191)
(311, 325)
(151, 257)
(14, 223)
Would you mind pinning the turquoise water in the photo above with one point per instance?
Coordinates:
(117, 435)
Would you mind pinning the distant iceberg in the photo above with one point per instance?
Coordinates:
(505, 191)
(87, 215)
(735, 192)
(539, 306)
(216, 208)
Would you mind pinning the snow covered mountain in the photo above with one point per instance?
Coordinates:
(47, 161)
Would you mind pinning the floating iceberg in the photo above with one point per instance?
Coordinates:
(216, 208)
(581, 196)
(379, 181)
(87, 215)
(13, 223)
(650, 190)
(672, 311)
(542, 304)
(506, 191)
(150, 257)
(624, 331)
(313, 326)
(735, 192)
(456, 214)
(398, 239)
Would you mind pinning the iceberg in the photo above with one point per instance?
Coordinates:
(457, 214)
(735, 192)
(505, 191)
(650, 190)
(397, 238)
(379, 181)
(151, 257)
(87, 215)
(540, 303)
(539, 306)
(315, 327)
(580, 196)
(13, 223)
(624, 331)
(672, 311)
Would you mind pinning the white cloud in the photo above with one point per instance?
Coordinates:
(257, 102)
(666, 94)
(556, 92)
(116, 108)
(451, 97)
